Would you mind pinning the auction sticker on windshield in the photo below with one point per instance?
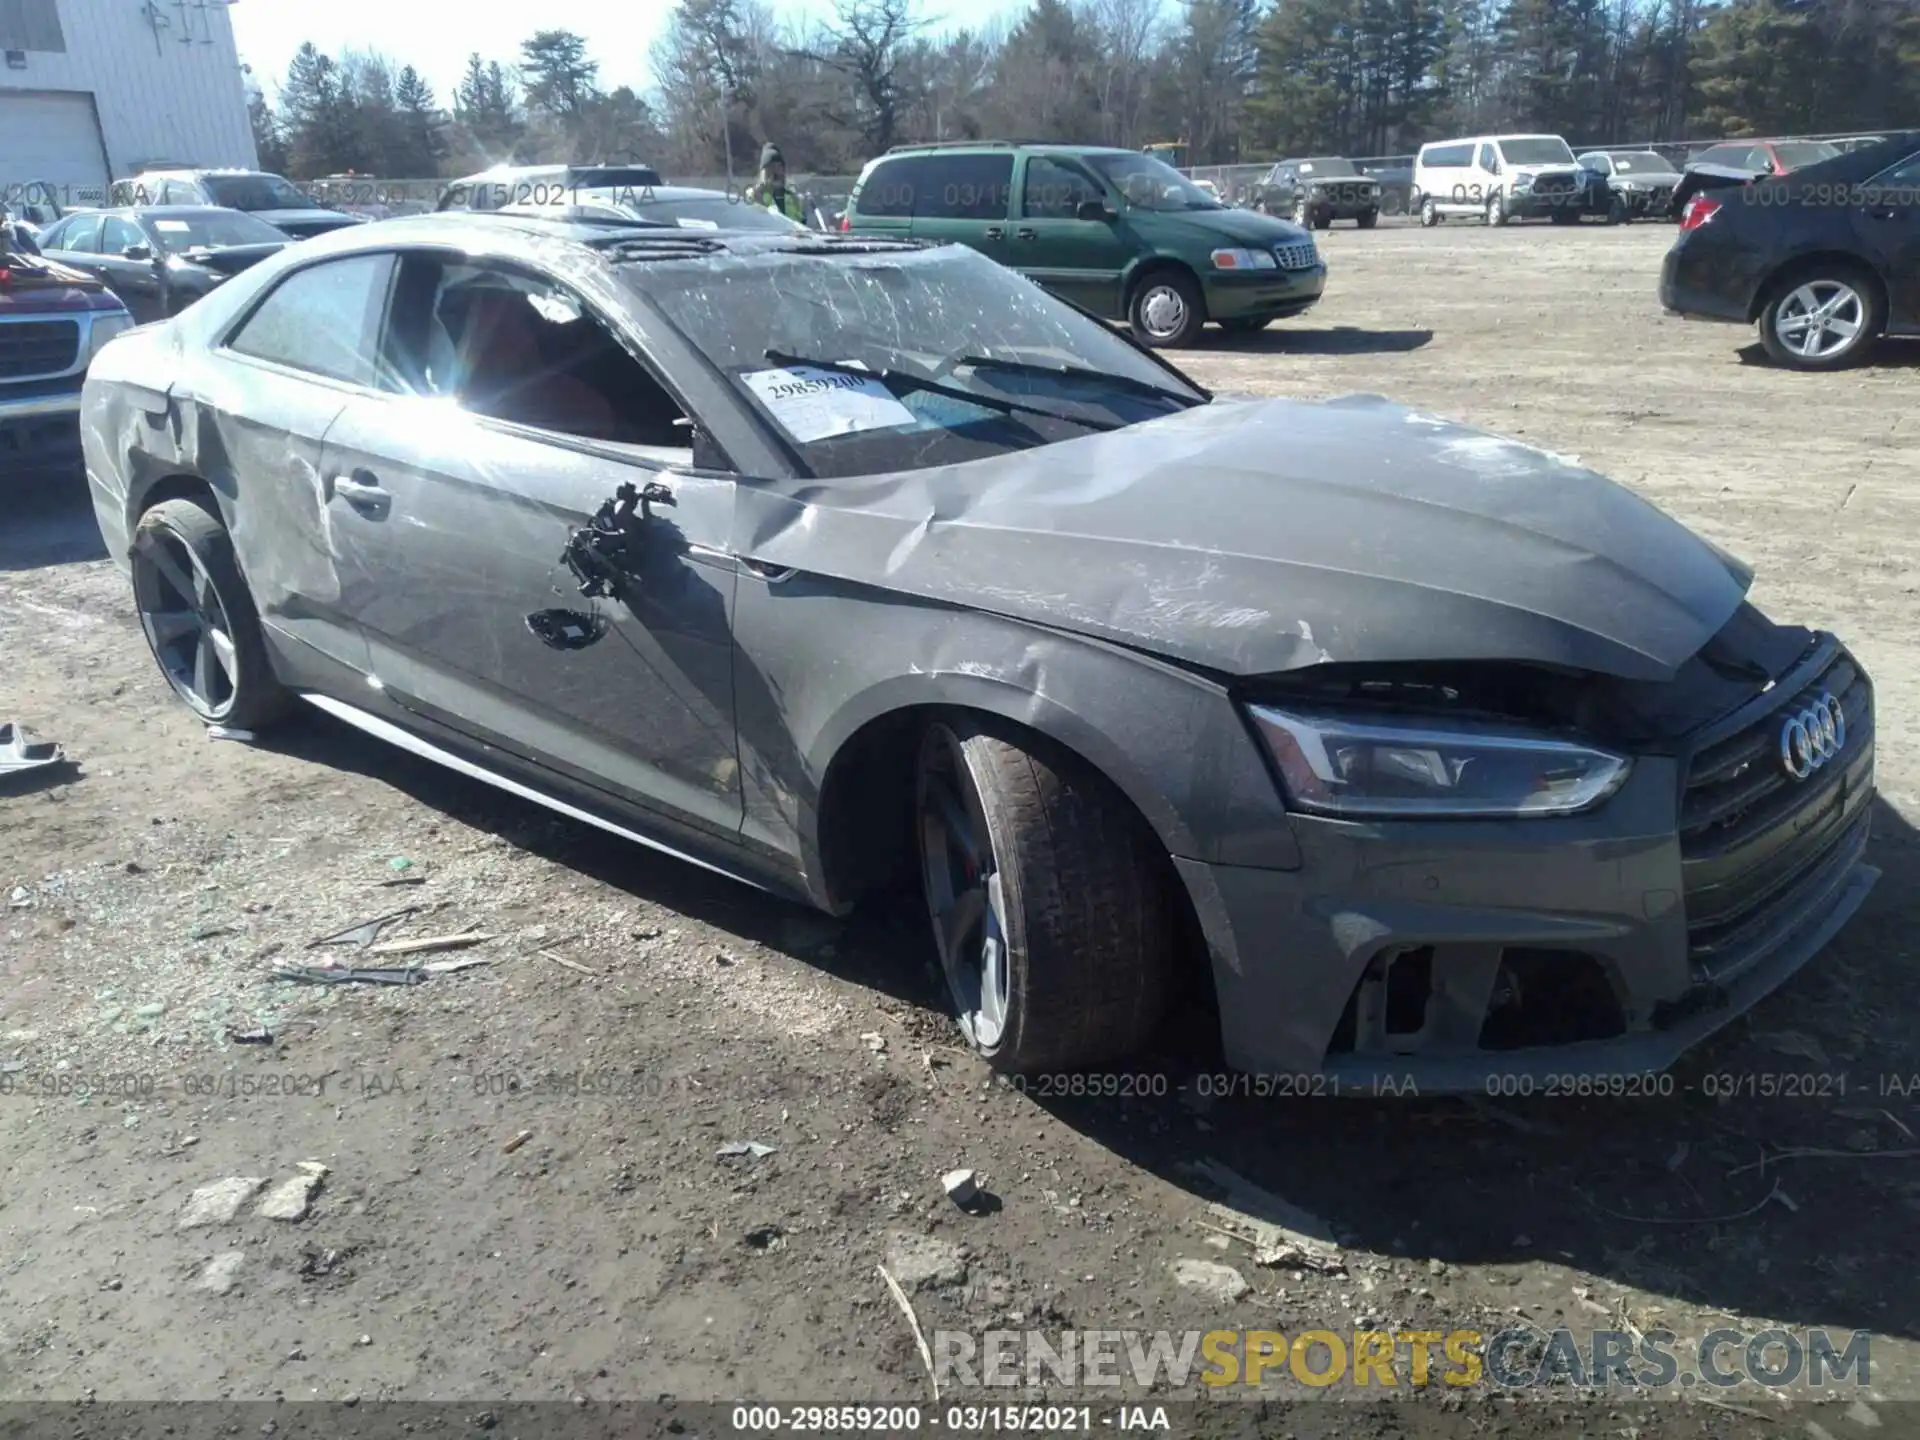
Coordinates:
(812, 404)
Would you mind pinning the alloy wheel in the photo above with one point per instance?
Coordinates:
(963, 889)
(1821, 319)
(186, 622)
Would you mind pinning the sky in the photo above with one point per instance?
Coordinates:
(436, 41)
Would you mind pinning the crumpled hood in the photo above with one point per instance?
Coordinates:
(1255, 535)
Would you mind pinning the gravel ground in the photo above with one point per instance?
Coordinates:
(492, 1227)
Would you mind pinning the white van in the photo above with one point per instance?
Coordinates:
(1500, 177)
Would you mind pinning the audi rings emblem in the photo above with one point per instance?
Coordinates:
(1813, 736)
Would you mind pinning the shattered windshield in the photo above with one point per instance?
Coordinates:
(254, 192)
(903, 359)
(1150, 184)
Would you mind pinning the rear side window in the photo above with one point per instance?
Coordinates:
(1447, 157)
(1489, 161)
(324, 319)
(946, 187)
(80, 234)
(117, 235)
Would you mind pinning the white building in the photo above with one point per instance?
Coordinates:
(93, 90)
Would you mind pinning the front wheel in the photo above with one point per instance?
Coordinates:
(1429, 213)
(1616, 211)
(199, 618)
(1167, 310)
(1367, 219)
(1823, 320)
(1048, 897)
(1496, 209)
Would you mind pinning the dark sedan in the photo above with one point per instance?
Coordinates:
(824, 561)
(1628, 185)
(1824, 261)
(1316, 192)
(160, 259)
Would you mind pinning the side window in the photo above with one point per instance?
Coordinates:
(1053, 191)
(1449, 157)
(964, 187)
(514, 347)
(1758, 159)
(324, 319)
(1904, 177)
(117, 234)
(1489, 161)
(889, 191)
(81, 234)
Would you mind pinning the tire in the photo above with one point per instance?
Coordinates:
(1167, 309)
(1367, 219)
(1429, 213)
(1029, 856)
(1246, 325)
(1496, 209)
(1846, 296)
(1303, 213)
(1564, 216)
(1617, 211)
(188, 590)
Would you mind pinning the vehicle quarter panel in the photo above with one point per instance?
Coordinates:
(1169, 739)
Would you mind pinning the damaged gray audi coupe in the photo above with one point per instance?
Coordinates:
(821, 561)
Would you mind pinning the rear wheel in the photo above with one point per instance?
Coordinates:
(1167, 309)
(199, 617)
(1048, 898)
(1823, 319)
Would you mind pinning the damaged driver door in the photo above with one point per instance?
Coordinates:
(605, 659)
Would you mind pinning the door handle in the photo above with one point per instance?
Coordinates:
(1026, 232)
(362, 491)
(996, 232)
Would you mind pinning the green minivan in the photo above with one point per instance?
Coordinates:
(1117, 232)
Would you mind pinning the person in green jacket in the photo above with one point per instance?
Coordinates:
(772, 192)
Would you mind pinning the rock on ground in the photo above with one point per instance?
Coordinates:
(222, 1272)
(1211, 1278)
(218, 1203)
(290, 1199)
(917, 1261)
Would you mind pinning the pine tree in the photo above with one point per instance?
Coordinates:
(422, 145)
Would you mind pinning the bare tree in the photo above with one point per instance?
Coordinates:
(868, 39)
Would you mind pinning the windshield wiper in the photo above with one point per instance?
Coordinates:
(1076, 372)
(934, 387)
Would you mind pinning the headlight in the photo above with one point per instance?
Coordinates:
(1243, 260)
(1356, 768)
(106, 325)
(1523, 179)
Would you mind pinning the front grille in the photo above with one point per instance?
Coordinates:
(1757, 845)
(1554, 185)
(38, 347)
(1297, 257)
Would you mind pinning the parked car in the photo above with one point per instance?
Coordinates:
(1823, 261)
(506, 185)
(272, 198)
(879, 559)
(1396, 183)
(1735, 162)
(679, 206)
(1500, 178)
(1119, 233)
(1315, 192)
(162, 258)
(1628, 185)
(53, 322)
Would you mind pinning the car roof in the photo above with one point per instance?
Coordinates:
(962, 147)
(519, 232)
(162, 212)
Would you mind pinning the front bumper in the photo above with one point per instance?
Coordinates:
(1439, 957)
(1263, 293)
(39, 429)
(1534, 204)
(1343, 205)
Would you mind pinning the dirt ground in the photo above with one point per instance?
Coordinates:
(610, 1254)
